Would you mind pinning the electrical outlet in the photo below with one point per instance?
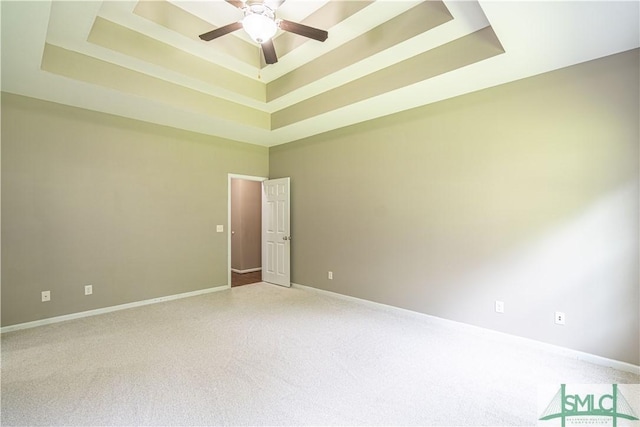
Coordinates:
(46, 296)
(559, 319)
(88, 289)
(499, 306)
(330, 275)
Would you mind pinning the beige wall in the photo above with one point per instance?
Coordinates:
(526, 193)
(129, 207)
(246, 224)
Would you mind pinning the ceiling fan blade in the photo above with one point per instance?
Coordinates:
(269, 52)
(304, 30)
(237, 3)
(226, 29)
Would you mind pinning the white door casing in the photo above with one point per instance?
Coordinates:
(276, 237)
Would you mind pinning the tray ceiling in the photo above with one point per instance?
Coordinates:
(144, 60)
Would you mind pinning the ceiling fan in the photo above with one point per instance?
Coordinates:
(261, 24)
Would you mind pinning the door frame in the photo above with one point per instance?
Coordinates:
(229, 178)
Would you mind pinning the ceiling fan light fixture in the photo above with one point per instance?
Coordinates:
(259, 27)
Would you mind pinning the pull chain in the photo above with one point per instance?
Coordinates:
(259, 64)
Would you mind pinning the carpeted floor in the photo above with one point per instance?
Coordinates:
(265, 355)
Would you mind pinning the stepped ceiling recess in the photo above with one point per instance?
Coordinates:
(144, 60)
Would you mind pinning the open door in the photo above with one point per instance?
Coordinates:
(276, 238)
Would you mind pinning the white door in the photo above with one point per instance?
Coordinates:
(276, 238)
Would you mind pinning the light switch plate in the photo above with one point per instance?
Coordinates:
(220, 228)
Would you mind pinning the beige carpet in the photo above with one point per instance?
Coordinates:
(264, 355)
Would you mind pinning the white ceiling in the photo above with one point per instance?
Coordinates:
(94, 55)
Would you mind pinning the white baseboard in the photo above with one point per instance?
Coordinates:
(249, 270)
(576, 354)
(104, 310)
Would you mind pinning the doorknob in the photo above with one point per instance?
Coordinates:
(286, 237)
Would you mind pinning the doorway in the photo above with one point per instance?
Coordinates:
(245, 229)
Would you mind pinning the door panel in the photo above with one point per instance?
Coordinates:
(276, 238)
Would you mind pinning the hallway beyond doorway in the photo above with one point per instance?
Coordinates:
(238, 279)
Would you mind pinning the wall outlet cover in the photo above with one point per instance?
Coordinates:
(499, 306)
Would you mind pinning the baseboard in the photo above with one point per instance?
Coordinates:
(249, 270)
(104, 310)
(576, 354)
